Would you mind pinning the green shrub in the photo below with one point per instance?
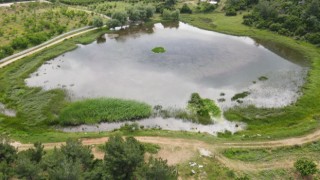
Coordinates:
(185, 9)
(205, 109)
(170, 15)
(103, 110)
(231, 12)
(305, 167)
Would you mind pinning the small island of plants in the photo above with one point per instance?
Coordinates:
(158, 50)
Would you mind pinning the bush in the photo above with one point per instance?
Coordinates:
(275, 27)
(20, 43)
(231, 12)
(313, 38)
(103, 110)
(112, 23)
(305, 167)
(185, 9)
(97, 22)
(206, 7)
(170, 15)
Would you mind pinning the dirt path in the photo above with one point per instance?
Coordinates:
(42, 47)
(177, 150)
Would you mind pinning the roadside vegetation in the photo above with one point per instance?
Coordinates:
(25, 25)
(124, 159)
(92, 111)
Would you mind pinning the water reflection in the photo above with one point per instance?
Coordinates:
(195, 60)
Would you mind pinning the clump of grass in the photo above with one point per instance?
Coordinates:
(92, 111)
(240, 96)
(158, 50)
(263, 78)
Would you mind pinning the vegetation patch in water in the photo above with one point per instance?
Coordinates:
(204, 109)
(158, 50)
(240, 96)
(92, 111)
(263, 78)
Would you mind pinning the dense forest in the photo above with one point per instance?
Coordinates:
(296, 18)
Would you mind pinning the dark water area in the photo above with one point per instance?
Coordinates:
(122, 65)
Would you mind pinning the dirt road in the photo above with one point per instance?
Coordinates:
(177, 150)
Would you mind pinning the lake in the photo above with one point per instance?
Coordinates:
(215, 65)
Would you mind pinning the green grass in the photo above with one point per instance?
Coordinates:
(270, 123)
(158, 50)
(148, 147)
(274, 154)
(91, 111)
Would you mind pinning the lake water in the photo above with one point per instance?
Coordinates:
(210, 63)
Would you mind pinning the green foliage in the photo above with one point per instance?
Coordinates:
(78, 2)
(103, 110)
(113, 23)
(151, 148)
(158, 50)
(185, 9)
(97, 22)
(305, 167)
(292, 18)
(240, 95)
(123, 157)
(205, 7)
(20, 43)
(204, 109)
(157, 169)
(7, 152)
(121, 16)
(140, 12)
(231, 12)
(236, 5)
(170, 15)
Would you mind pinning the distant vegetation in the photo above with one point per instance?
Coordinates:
(28, 24)
(92, 111)
(299, 19)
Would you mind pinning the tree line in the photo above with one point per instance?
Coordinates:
(295, 18)
(123, 160)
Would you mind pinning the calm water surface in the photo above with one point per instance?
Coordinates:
(210, 63)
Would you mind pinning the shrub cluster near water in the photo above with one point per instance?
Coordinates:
(92, 111)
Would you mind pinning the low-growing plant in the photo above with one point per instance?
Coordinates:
(103, 110)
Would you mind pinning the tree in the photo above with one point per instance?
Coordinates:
(97, 22)
(26, 168)
(121, 16)
(185, 9)
(8, 153)
(305, 167)
(123, 157)
(75, 151)
(157, 169)
(112, 23)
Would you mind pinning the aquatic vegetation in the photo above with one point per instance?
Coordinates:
(263, 78)
(92, 111)
(158, 50)
(240, 96)
(204, 109)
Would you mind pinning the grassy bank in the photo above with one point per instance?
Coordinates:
(268, 123)
(35, 107)
(93, 111)
(310, 151)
